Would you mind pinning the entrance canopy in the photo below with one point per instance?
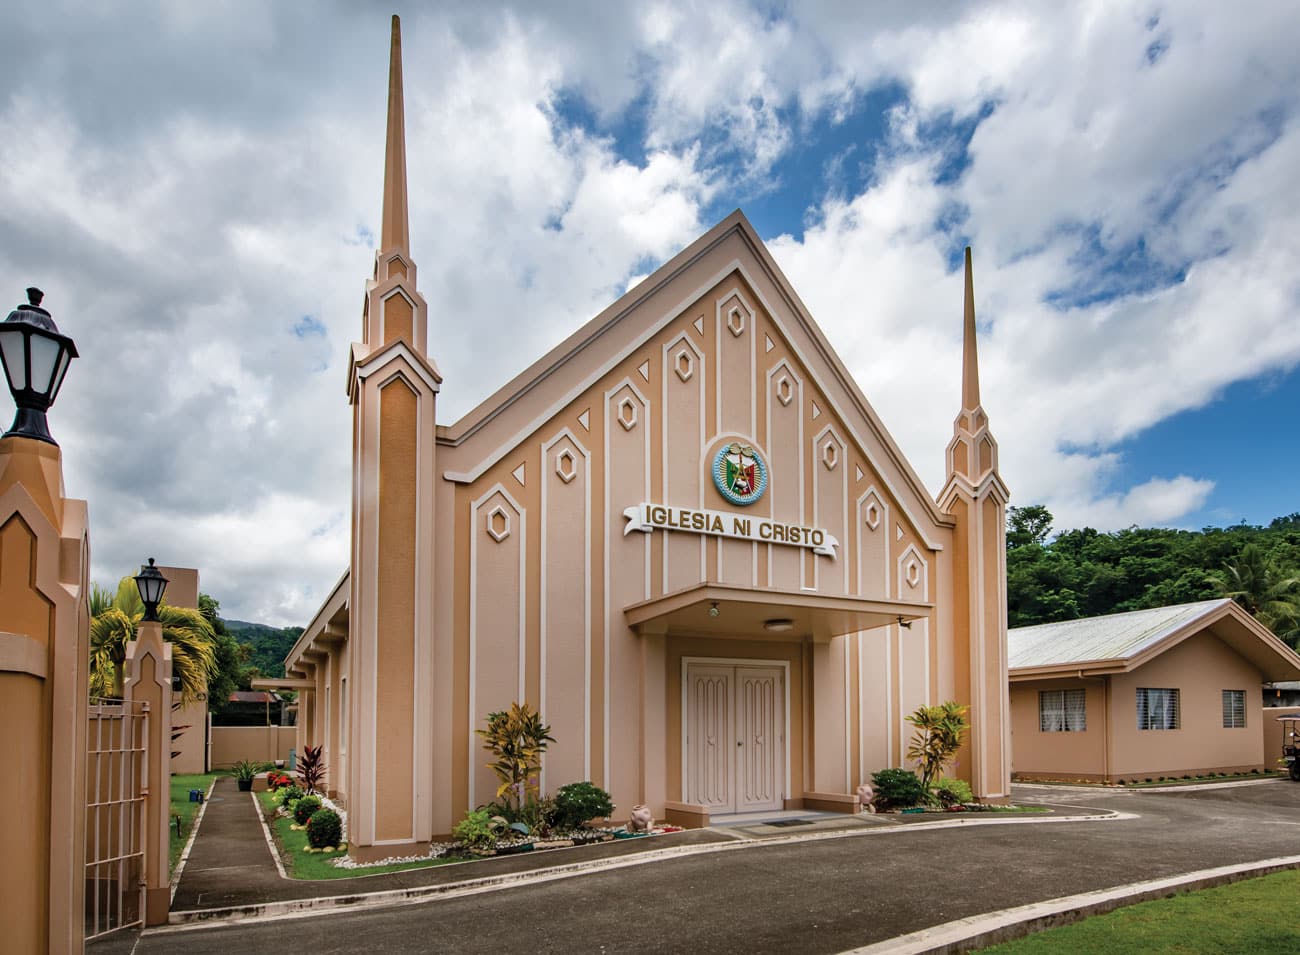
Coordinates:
(742, 612)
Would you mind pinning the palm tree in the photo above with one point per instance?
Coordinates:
(114, 623)
(1268, 593)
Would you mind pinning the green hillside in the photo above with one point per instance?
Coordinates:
(1085, 573)
(268, 645)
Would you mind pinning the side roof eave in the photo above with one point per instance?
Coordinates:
(486, 430)
(336, 601)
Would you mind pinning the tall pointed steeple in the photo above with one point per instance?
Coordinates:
(394, 309)
(970, 371)
(975, 498)
(394, 235)
(393, 385)
(973, 453)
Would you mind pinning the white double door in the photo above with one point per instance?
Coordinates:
(733, 727)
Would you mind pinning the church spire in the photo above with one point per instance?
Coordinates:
(970, 372)
(394, 231)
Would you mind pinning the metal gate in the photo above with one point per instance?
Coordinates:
(116, 761)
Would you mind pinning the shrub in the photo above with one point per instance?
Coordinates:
(479, 829)
(311, 768)
(324, 828)
(951, 792)
(304, 809)
(577, 803)
(897, 788)
(286, 796)
(517, 738)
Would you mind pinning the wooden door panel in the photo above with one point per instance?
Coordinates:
(710, 739)
(760, 705)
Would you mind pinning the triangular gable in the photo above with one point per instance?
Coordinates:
(481, 438)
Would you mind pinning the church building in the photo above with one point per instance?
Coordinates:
(683, 535)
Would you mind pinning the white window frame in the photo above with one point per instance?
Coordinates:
(1234, 709)
(1063, 711)
(1158, 708)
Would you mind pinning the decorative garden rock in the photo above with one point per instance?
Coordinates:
(642, 819)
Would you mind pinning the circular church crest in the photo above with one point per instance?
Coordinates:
(739, 473)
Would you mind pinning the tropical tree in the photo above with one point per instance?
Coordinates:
(939, 732)
(188, 631)
(517, 738)
(1265, 590)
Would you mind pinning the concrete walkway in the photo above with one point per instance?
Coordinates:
(825, 891)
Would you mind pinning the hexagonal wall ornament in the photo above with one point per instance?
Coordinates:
(872, 514)
(913, 571)
(784, 390)
(684, 365)
(736, 321)
(566, 466)
(830, 454)
(627, 414)
(498, 523)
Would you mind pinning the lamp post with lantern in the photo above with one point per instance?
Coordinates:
(35, 356)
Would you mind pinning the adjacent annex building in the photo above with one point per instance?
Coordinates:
(1163, 692)
(683, 534)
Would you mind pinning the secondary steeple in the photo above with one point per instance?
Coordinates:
(394, 233)
(972, 453)
(970, 371)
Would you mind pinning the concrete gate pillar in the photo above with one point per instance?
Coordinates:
(147, 679)
(44, 621)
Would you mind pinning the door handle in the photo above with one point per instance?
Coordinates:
(740, 742)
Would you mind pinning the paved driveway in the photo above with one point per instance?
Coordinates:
(825, 895)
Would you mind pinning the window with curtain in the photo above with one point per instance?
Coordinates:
(1157, 708)
(1234, 709)
(1062, 711)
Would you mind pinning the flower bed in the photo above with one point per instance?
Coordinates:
(302, 862)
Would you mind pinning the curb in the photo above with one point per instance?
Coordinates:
(191, 919)
(979, 931)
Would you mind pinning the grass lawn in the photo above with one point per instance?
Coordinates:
(1246, 917)
(318, 865)
(186, 810)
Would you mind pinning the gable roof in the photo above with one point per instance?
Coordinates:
(574, 365)
(1121, 642)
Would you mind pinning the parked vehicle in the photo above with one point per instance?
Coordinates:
(1291, 744)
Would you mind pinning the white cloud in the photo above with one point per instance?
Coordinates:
(188, 187)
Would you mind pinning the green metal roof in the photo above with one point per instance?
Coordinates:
(1116, 636)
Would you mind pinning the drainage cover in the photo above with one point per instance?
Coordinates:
(789, 822)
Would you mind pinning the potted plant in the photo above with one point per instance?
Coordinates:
(244, 773)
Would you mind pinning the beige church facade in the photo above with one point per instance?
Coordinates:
(683, 535)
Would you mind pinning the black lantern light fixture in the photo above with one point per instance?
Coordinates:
(35, 357)
(151, 584)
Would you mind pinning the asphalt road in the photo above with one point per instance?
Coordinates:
(817, 896)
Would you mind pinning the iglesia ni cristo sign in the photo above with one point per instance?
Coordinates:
(762, 530)
(740, 475)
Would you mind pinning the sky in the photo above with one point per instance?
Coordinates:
(197, 188)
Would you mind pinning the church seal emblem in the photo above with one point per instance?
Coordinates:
(739, 473)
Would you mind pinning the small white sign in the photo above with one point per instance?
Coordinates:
(761, 530)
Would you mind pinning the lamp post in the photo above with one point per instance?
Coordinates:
(151, 584)
(35, 356)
